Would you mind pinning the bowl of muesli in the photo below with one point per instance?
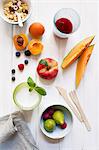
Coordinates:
(9, 8)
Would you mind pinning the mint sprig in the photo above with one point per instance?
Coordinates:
(33, 86)
(40, 90)
(31, 83)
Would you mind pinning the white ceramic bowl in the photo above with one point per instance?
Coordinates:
(54, 99)
(2, 15)
(58, 132)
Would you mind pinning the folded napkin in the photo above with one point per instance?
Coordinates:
(15, 134)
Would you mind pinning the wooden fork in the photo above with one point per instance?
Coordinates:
(63, 93)
(74, 98)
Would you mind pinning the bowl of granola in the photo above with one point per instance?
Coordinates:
(10, 8)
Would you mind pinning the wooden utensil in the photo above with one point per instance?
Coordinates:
(74, 97)
(68, 101)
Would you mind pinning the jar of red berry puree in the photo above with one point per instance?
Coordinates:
(66, 22)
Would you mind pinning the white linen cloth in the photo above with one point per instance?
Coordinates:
(15, 133)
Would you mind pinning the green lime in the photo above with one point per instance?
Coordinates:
(49, 125)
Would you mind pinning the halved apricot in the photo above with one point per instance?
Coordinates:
(20, 41)
(82, 63)
(35, 47)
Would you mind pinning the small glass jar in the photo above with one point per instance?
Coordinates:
(69, 14)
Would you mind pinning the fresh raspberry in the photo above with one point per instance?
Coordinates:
(21, 67)
(64, 125)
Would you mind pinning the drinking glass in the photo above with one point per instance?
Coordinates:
(69, 14)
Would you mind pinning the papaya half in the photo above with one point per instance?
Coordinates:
(82, 63)
(76, 52)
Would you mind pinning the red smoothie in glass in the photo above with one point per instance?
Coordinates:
(64, 25)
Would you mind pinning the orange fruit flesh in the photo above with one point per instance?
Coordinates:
(35, 47)
(18, 47)
(76, 52)
(82, 63)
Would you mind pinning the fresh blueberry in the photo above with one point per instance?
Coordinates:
(13, 78)
(26, 62)
(18, 54)
(27, 53)
(13, 71)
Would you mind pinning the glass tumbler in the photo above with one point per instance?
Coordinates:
(69, 14)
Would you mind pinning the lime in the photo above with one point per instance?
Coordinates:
(49, 125)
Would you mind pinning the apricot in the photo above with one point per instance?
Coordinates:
(36, 30)
(76, 52)
(82, 63)
(20, 41)
(35, 47)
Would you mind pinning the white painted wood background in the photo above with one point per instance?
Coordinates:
(43, 11)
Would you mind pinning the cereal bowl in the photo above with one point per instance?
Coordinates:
(5, 18)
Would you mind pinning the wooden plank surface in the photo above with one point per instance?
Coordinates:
(43, 11)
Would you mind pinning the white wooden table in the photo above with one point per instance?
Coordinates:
(43, 11)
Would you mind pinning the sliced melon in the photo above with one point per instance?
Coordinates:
(82, 63)
(76, 52)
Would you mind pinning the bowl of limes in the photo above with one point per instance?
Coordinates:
(56, 121)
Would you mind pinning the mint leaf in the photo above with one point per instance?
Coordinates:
(32, 86)
(44, 62)
(31, 83)
(40, 90)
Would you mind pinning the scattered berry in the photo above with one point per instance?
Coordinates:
(13, 71)
(13, 78)
(46, 116)
(27, 53)
(21, 67)
(26, 62)
(64, 125)
(18, 54)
